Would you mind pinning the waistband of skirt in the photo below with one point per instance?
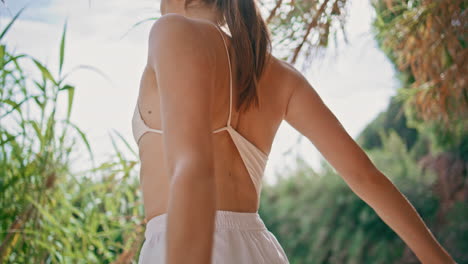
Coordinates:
(223, 220)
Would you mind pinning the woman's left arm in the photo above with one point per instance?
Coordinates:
(183, 66)
(307, 113)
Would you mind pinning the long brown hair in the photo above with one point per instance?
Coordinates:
(251, 41)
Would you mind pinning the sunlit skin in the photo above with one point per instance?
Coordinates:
(188, 172)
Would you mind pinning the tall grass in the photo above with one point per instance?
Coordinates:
(50, 214)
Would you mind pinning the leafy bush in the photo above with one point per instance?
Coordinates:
(318, 219)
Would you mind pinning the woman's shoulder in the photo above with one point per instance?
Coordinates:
(172, 25)
(179, 36)
(174, 32)
(284, 72)
(178, 26)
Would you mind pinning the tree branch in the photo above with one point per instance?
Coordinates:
(312, 24)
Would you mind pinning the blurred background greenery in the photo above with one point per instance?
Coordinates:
(50, 214)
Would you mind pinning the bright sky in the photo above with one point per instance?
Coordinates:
(355, 82)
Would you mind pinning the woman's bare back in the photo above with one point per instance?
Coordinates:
(234, 188)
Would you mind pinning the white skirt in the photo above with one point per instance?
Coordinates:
(239, 238)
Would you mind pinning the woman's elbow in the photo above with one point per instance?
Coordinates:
(368, 176)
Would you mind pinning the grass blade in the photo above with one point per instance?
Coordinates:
(71, 94)
(45, 72)
(11, 23)
(62, 48)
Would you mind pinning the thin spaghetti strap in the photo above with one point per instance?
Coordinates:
(230, 76)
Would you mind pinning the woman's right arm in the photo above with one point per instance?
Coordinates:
(307, 113)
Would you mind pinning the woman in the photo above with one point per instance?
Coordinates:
(202, 165)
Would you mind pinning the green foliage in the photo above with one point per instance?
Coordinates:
(455, 231)
(443, 139)
(51, 214)
(426, 42)
(318, 219)
(393, 118)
